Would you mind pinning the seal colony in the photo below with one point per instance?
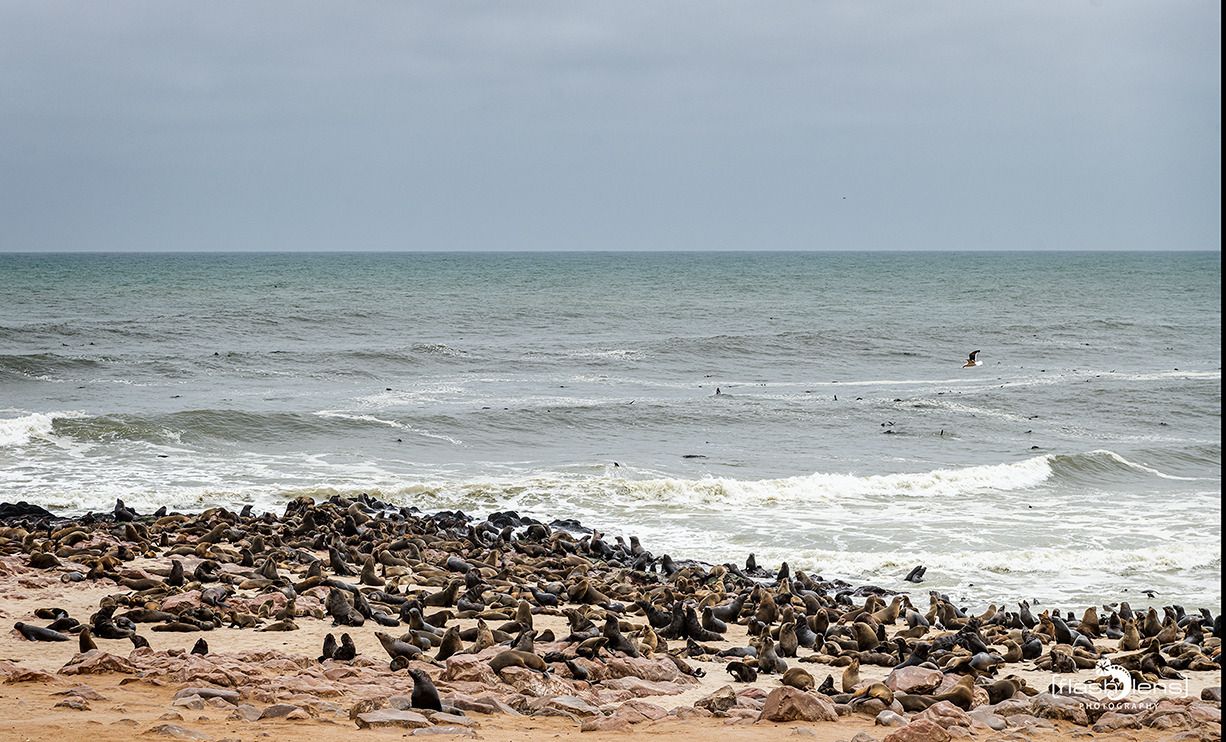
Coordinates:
(432, 621)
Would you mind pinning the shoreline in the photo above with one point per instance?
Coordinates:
(557, 592)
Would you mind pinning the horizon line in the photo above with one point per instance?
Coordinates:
(628, 251)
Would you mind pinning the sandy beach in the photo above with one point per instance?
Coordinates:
(262, 674)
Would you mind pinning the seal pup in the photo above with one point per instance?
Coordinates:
(347, 650)
(329, 649)
(851, 676)
(201, 647)
(742, 672)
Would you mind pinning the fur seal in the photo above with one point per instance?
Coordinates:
(425, 695)
(450, 644)
(396, 647)
(347, 651)
(799, 678)
(515, 658)
(877, 691)
(85, 642)
(742, 672)
(38, 633)
(851, 676)
(329, 649)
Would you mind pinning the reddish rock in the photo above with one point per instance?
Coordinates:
(245, 712)
(947, 683)
(468, 668)
(189, 599)
(484, 704)
(946, 714)
(1203, 712)
(920, 730)
(13, 673)
(452, 731)
(84, 691)
(532, 683)
(278, 711)
(1011, 706)
(890, 719)
(177, 732)
(1112, 721)
(658, 670)
(97, 662)
(640, 687)
(76, 703)
(637, 712)
(391, 718)
(992, 721)
(789, 704)
(230, 696)
(1062, 708)
(604, 724)
(719, 701)
(914, 680)
(193, 703)
(1167, 719)
(572, 705)
(453, 720)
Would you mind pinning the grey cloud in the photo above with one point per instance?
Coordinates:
(636, 125)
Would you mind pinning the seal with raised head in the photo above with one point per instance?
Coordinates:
(425, 695)
(397, 648)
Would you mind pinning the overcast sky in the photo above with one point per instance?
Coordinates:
(606, 126)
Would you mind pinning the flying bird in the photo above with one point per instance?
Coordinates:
(971, 360)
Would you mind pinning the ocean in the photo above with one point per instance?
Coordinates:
(802, 406)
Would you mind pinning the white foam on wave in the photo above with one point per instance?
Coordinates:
(822, 486)
(1167, 375)
(20, 431)
(1148, 469)
(343, 415)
